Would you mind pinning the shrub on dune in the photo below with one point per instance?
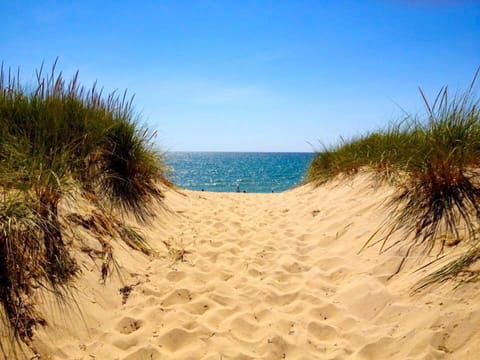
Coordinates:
(21, 234)
(385, 152)
(54, 139)
(434, 163)
(129, 168)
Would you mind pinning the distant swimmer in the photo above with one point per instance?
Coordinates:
(238, 188)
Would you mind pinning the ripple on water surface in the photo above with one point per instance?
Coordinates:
(227, 171)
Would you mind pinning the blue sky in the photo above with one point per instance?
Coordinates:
(253, 75)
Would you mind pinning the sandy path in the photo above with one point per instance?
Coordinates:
(273, 276)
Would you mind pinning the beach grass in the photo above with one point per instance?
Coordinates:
(432, 159)
(57, 138)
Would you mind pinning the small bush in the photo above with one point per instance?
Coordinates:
(54, 139)
(432, 160)
(21, 241)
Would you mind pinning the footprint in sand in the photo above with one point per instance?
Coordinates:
(296, 268)
(149, 352)
(322, 332)
(175, 276)
(244, 326)
(179, 296)
(128, 325)
(200, 306)
(176, 339)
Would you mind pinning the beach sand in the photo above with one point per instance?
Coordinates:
(262, 276)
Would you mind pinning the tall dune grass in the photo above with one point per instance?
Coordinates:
(56, 138)
(434, 162)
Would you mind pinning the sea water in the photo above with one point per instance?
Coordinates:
(234, 171)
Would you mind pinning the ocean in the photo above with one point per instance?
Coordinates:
(232, 171)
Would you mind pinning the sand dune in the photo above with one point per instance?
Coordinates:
(263, 276)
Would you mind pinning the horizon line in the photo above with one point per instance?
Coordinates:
(242, 151)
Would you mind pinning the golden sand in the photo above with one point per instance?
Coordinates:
(263, 276)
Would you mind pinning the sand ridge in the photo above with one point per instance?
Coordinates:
(264, 276)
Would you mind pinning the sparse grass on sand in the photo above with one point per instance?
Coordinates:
(55, 139)
(433, 160)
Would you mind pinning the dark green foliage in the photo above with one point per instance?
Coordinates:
(129, 169)
(434, 163)
(384, 151)
(54, 139)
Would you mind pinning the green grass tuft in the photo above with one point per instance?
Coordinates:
(56, 138)
(434, 162)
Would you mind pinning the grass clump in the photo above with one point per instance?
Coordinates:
(55, 138)
(21, 235)
(434, 162)
(383, 151)
(127, 165)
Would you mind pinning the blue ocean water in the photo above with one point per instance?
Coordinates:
(225, 171)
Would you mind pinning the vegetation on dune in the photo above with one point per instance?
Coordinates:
(434, 163)
(55, 139)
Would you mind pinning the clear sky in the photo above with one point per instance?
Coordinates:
(253, 75)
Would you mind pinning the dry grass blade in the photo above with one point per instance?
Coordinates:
(55, 139)
(176, 253)
(21, 265)
(457, 269)
(433, 162)
(133, 238)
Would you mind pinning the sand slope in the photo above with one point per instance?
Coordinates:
(263, 276)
